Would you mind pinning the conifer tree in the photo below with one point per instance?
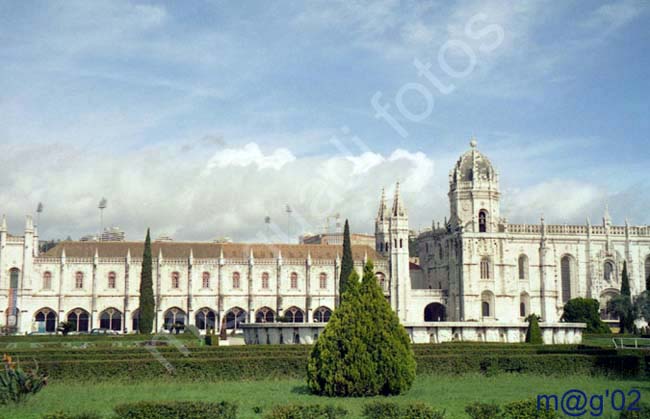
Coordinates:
(625, 312)
(347, 263)
(534, 332)
(147, 303)
(364, 350)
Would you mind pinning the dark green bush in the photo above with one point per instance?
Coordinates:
(66, 415)
(585, 310)
(392, 410)
(309, 411)
(534, 333)
(642, 413)
(176, 410)
(527, 409)
(479, 410)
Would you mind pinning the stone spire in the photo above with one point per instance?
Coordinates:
(398, 206)
(383, 207)
(607, 219)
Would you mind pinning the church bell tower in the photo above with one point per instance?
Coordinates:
(474, 193)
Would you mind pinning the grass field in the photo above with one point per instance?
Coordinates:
(450, 393)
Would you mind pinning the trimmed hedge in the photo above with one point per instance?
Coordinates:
(177, 410)
(642, 413)
(65, 415)
(480, 410)
(209, 368)
(527, 409)
(392, 410)
(310, 411)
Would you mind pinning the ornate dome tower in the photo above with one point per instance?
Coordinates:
(474, 193)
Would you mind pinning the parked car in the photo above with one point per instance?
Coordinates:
(103, 332)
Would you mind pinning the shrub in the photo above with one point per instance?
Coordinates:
(17, 385)
(642, 413)
(310, 411)
(534, 333)
(176, 409)
(585, 310)
(479, 410)
(392, 410)
(527, 409)
(66, 415)
(364, 350)
(64, 328)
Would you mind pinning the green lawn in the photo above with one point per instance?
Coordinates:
(450, 393)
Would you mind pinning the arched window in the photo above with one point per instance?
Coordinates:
(608, 271)
(605, 297)
(205, 319)
(235, 317)
(322, 315)
(235, 280)
(485, 267)
(294, 280)
(482, 221)
(487, 304)
(79, 320)
(401, 243)
(647, 273)
(265, 280)
(174, 318)
(523, 267)
(566, 268)
(323, 280)
(46, 320)
(47, 280)
(294, 315)
(14, 278)
(79, 280)
(264, 315)
(176, 280)
(205, 280)
(111, 279)
(111, 319)
(434, 312)
(135, 320)
(381, 279)
(524, 304)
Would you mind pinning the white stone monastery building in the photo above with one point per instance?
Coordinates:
(475, 268)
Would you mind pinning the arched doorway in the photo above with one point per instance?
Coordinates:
(265, 315)
(111, 319)
(206, 319)
(234, 317)
(322, 314)
(434, 312)
(79, 319)
(45, 319)
(174, 319)
(294, 315)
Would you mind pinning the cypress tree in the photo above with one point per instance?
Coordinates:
(534, 332)
(347, 263)
(147, 303)
(625, 312)
(364, 350)
(625, 281)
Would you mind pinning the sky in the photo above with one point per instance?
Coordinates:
(200, 119)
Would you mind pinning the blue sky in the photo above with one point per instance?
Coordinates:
(198, 120)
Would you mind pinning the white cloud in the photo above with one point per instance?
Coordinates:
(250, 154)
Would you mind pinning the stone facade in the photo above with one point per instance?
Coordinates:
(490, 270)
(476, 267)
